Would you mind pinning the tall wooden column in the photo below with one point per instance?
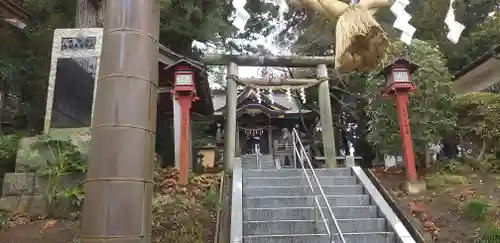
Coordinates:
(230, 123)
(177, 131)
(119, 186)
(325, 109)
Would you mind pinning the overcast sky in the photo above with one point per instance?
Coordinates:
(268, 43)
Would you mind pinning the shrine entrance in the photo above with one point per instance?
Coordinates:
(254, 133)
(262, 119)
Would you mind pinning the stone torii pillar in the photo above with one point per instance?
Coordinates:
(119, 185)
(230, 128)
(320, 63)
(325, 107)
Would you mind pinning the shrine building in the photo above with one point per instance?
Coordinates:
(264, 121)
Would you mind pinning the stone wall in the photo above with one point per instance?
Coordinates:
(78, 136)
(25, 191)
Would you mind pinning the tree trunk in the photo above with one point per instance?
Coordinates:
(450, 150)
(89, 14)
(482, 152)
(427, 157)
(2, 98)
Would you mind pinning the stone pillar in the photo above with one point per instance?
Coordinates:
(389, 161)
(350, 161)
(218, 135)
(177, 131)
(237, 146)
(230, 123)
(325, 109)
(270, 137)
(119, 185)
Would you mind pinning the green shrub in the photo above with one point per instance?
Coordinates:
(476, 209)
(437, 181)
(488, 234)
(3, 220)
(8, 152)
(63, 159)
(452, 167)
(211, 198)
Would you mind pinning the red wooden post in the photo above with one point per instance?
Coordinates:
(185, 102)
(399, 85)
(185, 92)
(404, 127)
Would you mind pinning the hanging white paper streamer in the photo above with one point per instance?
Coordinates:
(454, 27)
(241, 15)
(402, 19)
(303, 95)
(289, 94)
(257, 94)
(271, 96)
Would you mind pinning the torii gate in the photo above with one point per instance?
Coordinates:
(119, 185)
(234, 61)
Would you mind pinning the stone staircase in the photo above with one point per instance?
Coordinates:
(277, 206)
(249, 162)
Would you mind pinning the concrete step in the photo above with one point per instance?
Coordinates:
(308, 213)
(254, 167)
(300, 190)
(312, 226)
(298, 180)
(376, 237)
(304, 201)
(296, 172)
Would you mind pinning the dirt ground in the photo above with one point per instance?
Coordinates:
(439, 212)
(180, 214)
(25, 230)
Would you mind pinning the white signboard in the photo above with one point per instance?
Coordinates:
(82, 46)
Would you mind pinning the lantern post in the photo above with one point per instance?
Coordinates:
(398, 85)
(185, 92)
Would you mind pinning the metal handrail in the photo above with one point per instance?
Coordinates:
(300, 156)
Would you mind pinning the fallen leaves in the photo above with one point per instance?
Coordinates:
(49, 224)
(418, 210)
(466, 194)
(19, 219)
(180, 213)
(166, 183)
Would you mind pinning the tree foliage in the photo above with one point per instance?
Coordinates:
(25, 55)
(482, 38)
(25, 62)
(430, 105)
(478, 122)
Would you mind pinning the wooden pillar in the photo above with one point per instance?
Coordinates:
(177, 131)
(325, 109)
(119, 185)
(190, 150)
(230, 123)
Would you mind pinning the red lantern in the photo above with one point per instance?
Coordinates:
(184, 79)
(398, 85)
(398, 76)
(184, 91)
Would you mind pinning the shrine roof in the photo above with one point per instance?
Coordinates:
(492, 53)
(480, 74)
(13, 12)
(280, 98)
